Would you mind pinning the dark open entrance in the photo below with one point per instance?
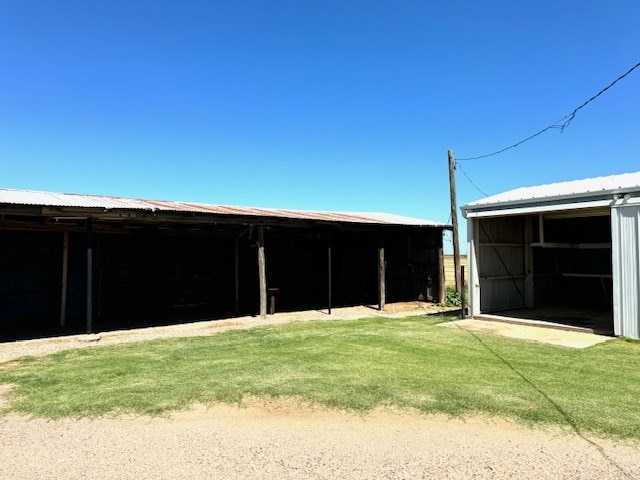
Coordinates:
(156, 274)
(297, 266)
(552, 267)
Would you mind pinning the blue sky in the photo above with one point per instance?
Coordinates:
(331, 105)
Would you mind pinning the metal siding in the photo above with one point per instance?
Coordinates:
(500, 263)
(474, 282)
(501, 294)
(626, 270)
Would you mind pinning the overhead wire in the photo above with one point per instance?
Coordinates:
(561, 124)
(459, 167)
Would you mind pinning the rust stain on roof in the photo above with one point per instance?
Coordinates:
(52, 199)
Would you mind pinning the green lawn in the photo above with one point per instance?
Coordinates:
(345, 364)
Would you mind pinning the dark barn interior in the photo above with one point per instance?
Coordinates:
(567, 259)
(76, 270)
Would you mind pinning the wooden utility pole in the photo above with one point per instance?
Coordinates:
(454, 219)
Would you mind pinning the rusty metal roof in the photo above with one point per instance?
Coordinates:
(52, 199)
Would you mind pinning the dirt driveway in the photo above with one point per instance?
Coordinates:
(290, 441)
(287, 440)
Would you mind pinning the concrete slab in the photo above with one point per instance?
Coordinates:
(561, 337)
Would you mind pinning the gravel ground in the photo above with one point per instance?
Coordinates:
(297, 442)
(286, 439)
(46, 346)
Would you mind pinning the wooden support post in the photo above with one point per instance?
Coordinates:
(65, 272)
(528, 263)
(237, 275)
(381, 278)
(329, 275)
(441, 279)
(454, 218)
(262, 272)
(89, 277)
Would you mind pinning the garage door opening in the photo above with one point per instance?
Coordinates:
(554, 267)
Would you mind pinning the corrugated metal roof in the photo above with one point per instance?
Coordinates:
(563, 190)
(51, 199)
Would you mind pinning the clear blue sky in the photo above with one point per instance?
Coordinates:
(329, 105)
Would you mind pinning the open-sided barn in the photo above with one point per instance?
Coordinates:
(568, 253)
(77, 263)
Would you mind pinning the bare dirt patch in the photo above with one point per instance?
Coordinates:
(47, 346)
(288, 439)
(5, 389)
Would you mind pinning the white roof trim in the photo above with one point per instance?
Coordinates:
(560, 194)
(527, 210)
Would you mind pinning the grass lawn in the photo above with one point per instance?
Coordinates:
(354, 365)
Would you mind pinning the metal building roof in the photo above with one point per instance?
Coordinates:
(562, 193)
(51, 199)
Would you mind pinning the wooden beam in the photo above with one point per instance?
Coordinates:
(540, 229)
(89, 277)
(441, 278)
(528, 263)
(581, 246)
(65, 273)
(262, 272)
(237, 275)
(381, 278)
(329, 275)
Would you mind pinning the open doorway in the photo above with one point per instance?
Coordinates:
(554, 267)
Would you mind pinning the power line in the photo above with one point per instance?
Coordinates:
(560, 124)
(459, 167)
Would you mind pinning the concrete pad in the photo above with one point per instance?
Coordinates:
(564, 338)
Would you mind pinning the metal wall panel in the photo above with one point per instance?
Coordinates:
(625, 225)
(500, 263)
(501, 294)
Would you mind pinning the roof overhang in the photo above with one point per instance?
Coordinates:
(73, 207)
(594, 193)
(533, 208)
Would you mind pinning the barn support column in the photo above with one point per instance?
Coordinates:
(65, 272)
(528, 263)
(262, 272)
(441, 278)
(329, 275)
(89, 277)
(237, 275)
(381, 277)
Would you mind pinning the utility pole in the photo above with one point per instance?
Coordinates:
(454, 219)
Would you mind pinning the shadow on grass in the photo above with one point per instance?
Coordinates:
(564, 414)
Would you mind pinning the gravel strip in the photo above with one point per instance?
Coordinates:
(46, 346)
(297, 442)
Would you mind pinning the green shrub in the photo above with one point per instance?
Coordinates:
(452, 298)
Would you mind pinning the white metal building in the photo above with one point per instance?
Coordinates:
(567, 252)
